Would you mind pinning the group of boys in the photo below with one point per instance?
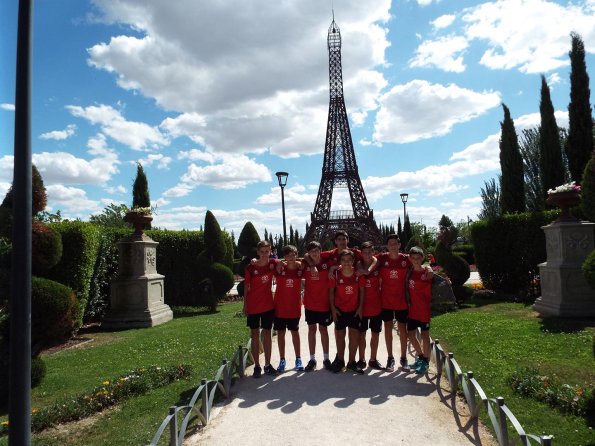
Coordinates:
(354, 288)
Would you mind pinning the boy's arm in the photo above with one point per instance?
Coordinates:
(360, 306)
(246, 289)
(331, 299)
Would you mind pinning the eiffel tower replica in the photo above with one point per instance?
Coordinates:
(339, 169)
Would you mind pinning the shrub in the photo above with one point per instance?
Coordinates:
(215, 245)
(38, 193)
(46, 248)
(248, 240)
(589, 269)
(508, 249)
(5, 253)
(54, 313)
(5, 222)
(465, 251)
(38, 371)
(588, 190)
(80, 245)
(222, 278)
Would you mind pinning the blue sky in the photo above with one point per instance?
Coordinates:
(214, 97)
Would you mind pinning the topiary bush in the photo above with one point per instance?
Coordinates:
(465, 251)
(55, 313)
(46, 248)
(588, 190)
(222, 278)
(589, 269)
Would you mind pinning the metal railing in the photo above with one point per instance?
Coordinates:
(499, 414)
(203, 398)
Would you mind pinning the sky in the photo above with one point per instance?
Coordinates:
(213, 98)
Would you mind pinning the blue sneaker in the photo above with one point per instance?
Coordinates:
(298, 364)
(415, 365)
(423, 367)
(282, 365)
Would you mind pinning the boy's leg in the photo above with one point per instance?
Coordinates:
(388, 337)
(255, 345)
(402, 327)
(412, 335)
(312, 339)
(362, 345)
(281, 343)
(353, 342)
(295, 337)
(340, 341)
(267, 344)
(324, 339)
(374, 345)
(425, 337)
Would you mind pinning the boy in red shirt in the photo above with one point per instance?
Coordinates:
(346, 302)
(259, 306)
(316, 304)
(288, 305)
(371, 315)
(393, 267)
(420, 296)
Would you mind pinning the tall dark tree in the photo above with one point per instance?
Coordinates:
(399, 229)
(579, 144)
(490, 200)
(529, 145)
(407, 233)
(551, 166)
(140, 189)
(512, 184)
(215, 246)
(248, 240)
(39, 196)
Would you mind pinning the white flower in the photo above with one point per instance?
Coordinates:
(568, 187)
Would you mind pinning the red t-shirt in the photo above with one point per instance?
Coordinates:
(316, 288)
(346, 291)
(333, 256)
(372, 301)
(392, 273)
(288, 298)
(420, 292)
(260, 296)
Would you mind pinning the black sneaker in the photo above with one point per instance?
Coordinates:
(361, 364)
(375, 364)
(270, 370)
(403, 362)
(311, 365)
(390, 364)
(257, 371)
(338, 365)
(327, 365)
(355, 368)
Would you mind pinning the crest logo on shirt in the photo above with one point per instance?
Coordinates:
(340, 280)
(423, 276)
(264, 279)
(348, 289)
(393, 274)
(411, 284)
(289, 283)
(386, 263)
(271, 265)
(403, 263)
(324, 266)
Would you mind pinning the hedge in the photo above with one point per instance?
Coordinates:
(509, 248)
(80, 246)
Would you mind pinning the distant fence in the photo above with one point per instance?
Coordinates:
(500, 415)
(203, 399)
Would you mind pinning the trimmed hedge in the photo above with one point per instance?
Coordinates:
(465, 251)
(589, 269)
(509, 248)
(80, 245)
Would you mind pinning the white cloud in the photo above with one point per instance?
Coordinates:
(59, 135)
(116, 189)
(420, 110)
(161, 161)
(72, 201)
(444, 21)
(229, 96)
(136, 135)
(445, 53)
(5, 106)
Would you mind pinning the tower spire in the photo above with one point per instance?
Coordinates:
(339, 169)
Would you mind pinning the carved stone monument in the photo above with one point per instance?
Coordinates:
(137, 298)
(564, 289)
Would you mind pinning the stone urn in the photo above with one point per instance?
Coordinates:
(565, 201)
(138, 220)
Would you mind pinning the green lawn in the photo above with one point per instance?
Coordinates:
(493, 339)
(201, 340)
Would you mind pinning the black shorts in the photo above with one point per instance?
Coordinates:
(398, 315)
(261, 320)
(374, 323)
(347, 319)
(412, 324)
(318, 317)
(291, 324)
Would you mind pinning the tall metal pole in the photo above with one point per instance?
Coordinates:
(283, 207)
(19, 432)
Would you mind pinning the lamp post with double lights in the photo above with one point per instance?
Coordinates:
(282, 177)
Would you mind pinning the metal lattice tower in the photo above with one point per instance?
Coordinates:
(339, 169)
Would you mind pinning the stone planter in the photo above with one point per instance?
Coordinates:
(138, 221)
(565, 201)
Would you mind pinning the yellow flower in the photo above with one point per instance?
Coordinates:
(4, 423)
(34, 411)
(105, 383)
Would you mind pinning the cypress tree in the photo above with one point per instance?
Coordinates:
(214, 243)
(248, 240)
(534, 195)
(140, 189)
(406, 232)
(512, 184)
(490, 200)
(399, 230)
(579, 144)
(551, 166)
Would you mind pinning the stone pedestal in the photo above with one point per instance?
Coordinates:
(137, 297)
(564, 290)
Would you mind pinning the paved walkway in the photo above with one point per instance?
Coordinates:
(320, 407)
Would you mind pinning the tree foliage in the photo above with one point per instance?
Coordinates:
(588, 190)
(140, 189)
(248, 240)
(512, 185)
(111, 217)
(490, 200)
(214, 242)
(579, 145)
(529, 146)
(551, 165)
(39, 196)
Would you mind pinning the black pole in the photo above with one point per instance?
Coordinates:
(283, 207)
(19, 432)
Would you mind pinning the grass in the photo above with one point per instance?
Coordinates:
(493, 338)
(200, 339)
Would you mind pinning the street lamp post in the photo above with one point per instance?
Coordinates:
(404, 198)
(282, 177)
